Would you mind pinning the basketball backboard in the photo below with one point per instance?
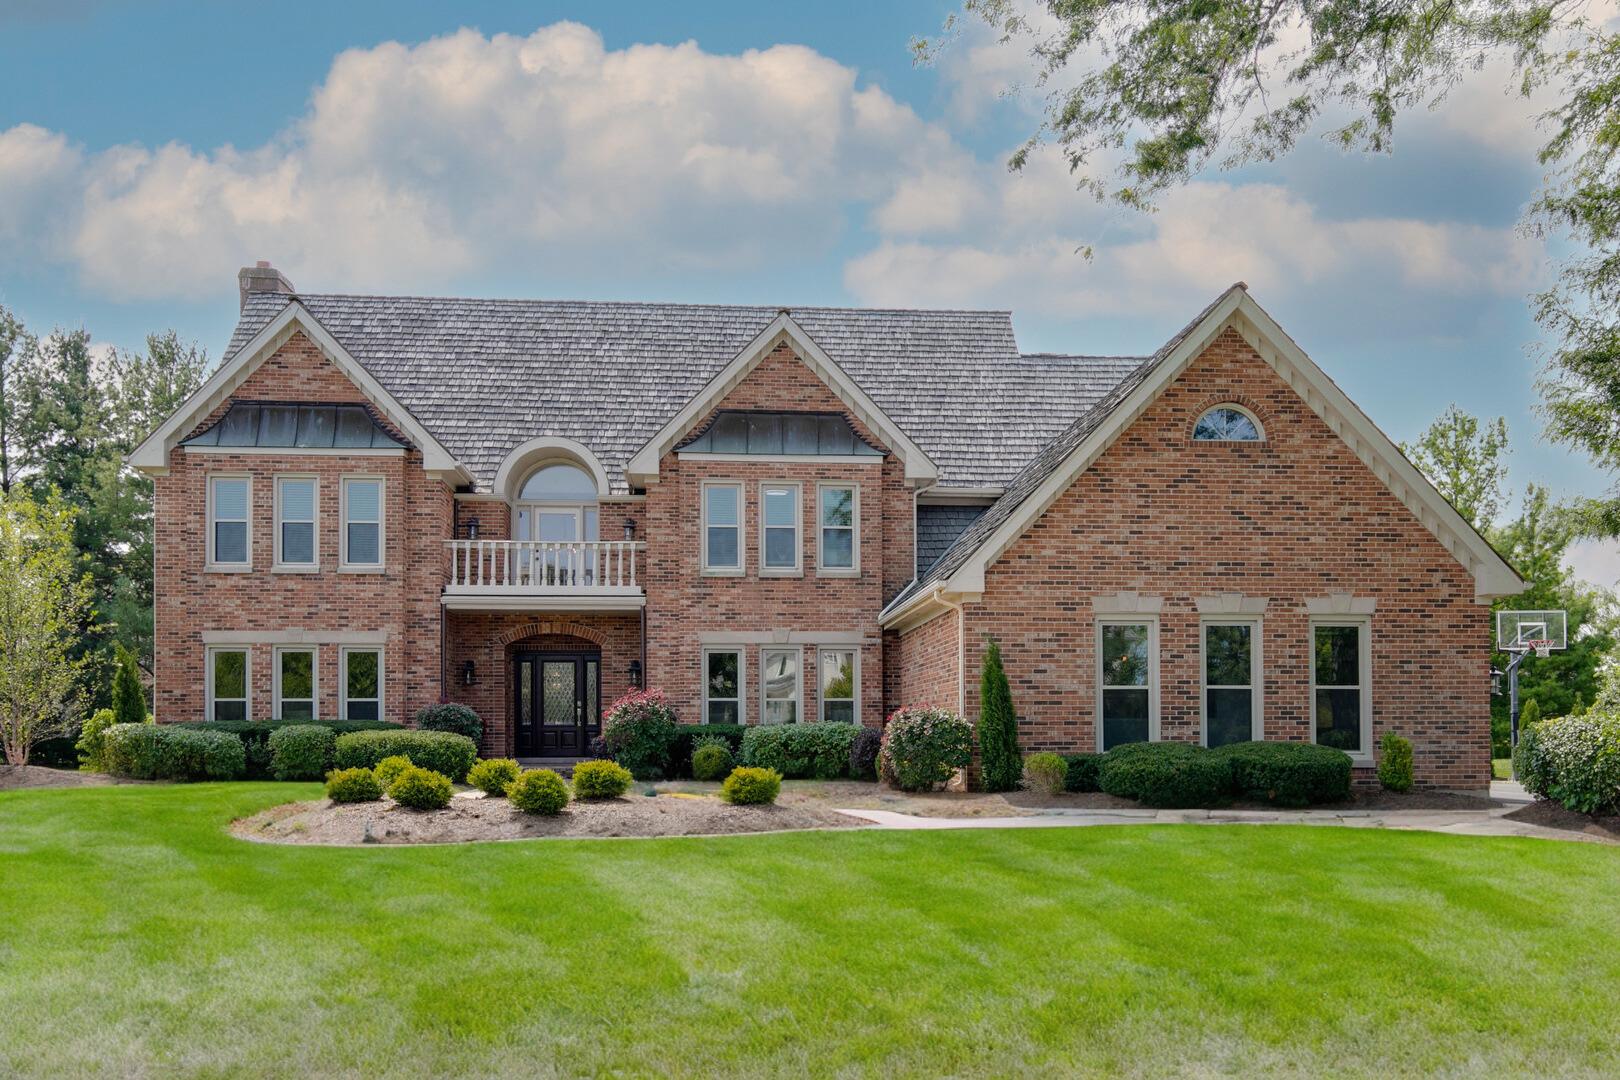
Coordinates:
(1521, 631)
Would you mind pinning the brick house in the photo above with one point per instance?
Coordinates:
(785, 516)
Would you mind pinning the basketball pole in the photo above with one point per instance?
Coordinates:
(1519, 656)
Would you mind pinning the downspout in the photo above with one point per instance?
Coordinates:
(938, 596)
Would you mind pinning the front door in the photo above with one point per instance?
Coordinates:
(556, 697)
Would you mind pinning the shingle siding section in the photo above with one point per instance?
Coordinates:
(938, 527)
(486, 375)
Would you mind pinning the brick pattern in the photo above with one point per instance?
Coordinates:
(927, 661)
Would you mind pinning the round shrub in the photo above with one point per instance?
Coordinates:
(301, 752)
(601, 780)
(439, 751)
(389, 768)
(863, 753)
(353, 785)
(712, 762)
(922, 746)
(1395, 763)
(638, 730)
(1045, 773)
(451, 716)
(1082, 774)
(1288, 773)
(1169, 774)
(494, 776)
(422, 789)
(1574, 761)
(748, 787)
(538, 791)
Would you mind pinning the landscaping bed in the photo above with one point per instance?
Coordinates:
(474, 818)
(19, 777)
(1550, 815)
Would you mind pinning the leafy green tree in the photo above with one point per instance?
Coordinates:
(999, 757)
(45, 602)
(1466, 464)
(15, 349)
(128, 698)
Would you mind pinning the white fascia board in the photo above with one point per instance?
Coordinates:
(642, 469)
(152, 456)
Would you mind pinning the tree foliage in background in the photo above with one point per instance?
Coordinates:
(1466, 462)
(45, 601)
(1000, 760)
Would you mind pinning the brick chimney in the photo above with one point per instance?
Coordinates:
(261, 278)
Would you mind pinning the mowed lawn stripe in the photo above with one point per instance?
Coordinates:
(138, 938)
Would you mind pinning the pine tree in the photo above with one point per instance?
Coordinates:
(129, 700)
(999, 757)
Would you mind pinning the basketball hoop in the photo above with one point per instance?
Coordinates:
(1543, 646)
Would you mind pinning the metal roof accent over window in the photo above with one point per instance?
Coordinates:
(293, 424)
(737, 431)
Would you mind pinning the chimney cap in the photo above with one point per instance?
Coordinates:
(264, 264)
(261, 278)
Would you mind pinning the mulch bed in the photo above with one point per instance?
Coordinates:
(470, 819)
(1551, 815)
(24, 777)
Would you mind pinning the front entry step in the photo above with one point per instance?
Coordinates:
(563, 766)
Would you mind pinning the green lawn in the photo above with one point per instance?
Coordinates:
(1501, 768)
(138, 939)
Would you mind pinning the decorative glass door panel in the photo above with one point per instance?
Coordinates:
(557, 699)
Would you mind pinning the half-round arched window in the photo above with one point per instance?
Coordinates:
(556, 503)
(558, 481)
(1225, 423)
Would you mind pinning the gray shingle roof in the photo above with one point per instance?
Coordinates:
(937, 529)
(1033, 474)
(485, 375)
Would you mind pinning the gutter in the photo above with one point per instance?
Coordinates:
(938, 596)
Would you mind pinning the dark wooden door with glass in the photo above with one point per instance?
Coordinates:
(556, 698)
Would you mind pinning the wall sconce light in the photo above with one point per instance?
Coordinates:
(472, 528)
(635, 674)
(629, 528)
(469, 674)
(1496, 683)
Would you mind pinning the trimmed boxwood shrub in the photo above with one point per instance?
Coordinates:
(1287, 773)
(601, 780)
(688, 736)
(1082, 772)
(800, 751)
(421, 789)
(712, 761)
(493, 777)
(1046, 773)
(747, 787)
(538, 791)
(639, 731)
(1395, 763)
(301, 752)
(389, 768)
(353, 785)
(863, 753)
(167, 752)
(451, 716)
(255, 735)
(1167, 774)
(922, 746)
(443, 752)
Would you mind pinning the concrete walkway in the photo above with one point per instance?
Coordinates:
(1491, 822)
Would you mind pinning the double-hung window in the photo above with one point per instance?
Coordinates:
(779, 524)
(362, 684)
(1127, 682)
(228, 684)
(362, 523)
(229, 537)
(837, 667)
(837, 552)
(722, 686)
(722, 528)
(779, 678)
(295, 684)
(1341, 704)
(295, 523)
(1231, 696)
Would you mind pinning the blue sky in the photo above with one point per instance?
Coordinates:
(721, 152)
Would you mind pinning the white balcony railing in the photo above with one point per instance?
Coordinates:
(533, 567)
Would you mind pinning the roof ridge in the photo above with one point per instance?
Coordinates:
(773, 308)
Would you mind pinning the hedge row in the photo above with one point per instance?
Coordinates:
(800, 751)
(1177, 774)
(169, 752)
(1574, 761)
(255, 736)
(442, 752)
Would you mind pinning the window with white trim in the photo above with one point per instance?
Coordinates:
(779, 545)
(295, 522)
(1341, 704)
(1231, 699)
(295, 684)
(837, 670)
(723, 686)
(362, 684)
(228, 685)
(229, 535)
(779, 684)
(722, 527)
(1127, 682)
(836, 506)
(1226, 423)
(362, 523)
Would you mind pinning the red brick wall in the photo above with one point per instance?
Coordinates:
(1293, 517)
(402, 602)
(927, 658)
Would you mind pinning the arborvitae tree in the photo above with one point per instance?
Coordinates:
(1529, 713)
(999, 757)
(128, 699)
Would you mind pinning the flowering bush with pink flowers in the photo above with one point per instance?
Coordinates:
(637, 730)
(923, 746)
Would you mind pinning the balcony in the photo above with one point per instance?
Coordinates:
(513, 575)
